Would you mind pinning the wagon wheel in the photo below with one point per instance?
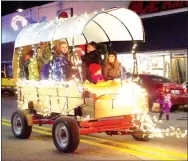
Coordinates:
(140, 135)
(65, 134)
(19, 125)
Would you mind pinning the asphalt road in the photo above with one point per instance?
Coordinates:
(92, 147)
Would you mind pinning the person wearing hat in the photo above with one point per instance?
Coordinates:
(112, 68)
(96, 73)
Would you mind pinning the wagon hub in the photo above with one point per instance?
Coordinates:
(62, 135)
(17, 124)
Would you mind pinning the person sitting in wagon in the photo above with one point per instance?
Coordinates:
(92, 56)
(27, 60)
(35, 65)
(96, 73)
(76, 64)
(46, 61)
(112, 68)
(61, 63)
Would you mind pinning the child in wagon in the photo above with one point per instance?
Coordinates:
(96, 73)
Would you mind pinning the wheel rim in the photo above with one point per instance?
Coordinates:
(17, 124)
(61, 135)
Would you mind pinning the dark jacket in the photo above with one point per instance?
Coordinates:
(92, 57)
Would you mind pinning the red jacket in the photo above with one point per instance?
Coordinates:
(97, 78)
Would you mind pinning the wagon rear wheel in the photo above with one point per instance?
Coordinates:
(141, 136)
(19, 125)
(65, 134)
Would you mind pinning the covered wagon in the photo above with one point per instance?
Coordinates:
(75, 107)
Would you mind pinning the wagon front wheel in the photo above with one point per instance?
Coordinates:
(65, 134)
(19, 125)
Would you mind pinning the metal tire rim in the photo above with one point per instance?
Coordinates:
(61, 135)
(17, 124)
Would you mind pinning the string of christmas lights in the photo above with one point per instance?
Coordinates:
(147, 123)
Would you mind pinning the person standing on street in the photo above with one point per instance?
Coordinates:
(165, 107)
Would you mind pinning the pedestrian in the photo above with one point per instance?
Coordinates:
(165, 107)
(112, 68)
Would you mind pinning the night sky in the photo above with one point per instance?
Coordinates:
(8, 7)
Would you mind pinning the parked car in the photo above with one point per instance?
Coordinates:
(8, 86)
(185, 86)
(158, 87)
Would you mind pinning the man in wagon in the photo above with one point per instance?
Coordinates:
(92, 56)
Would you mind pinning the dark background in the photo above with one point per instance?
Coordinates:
(8, 7)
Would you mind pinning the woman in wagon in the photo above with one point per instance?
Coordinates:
(61, 64)
(112, 68)
(35, 65)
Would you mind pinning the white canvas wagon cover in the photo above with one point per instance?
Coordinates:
(117, 24)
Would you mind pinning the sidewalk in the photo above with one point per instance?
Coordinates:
(178, 119)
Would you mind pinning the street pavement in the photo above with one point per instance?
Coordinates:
(92, 147)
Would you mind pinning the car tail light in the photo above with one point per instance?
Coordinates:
(164, 90)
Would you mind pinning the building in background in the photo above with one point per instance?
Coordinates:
(164, 52)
